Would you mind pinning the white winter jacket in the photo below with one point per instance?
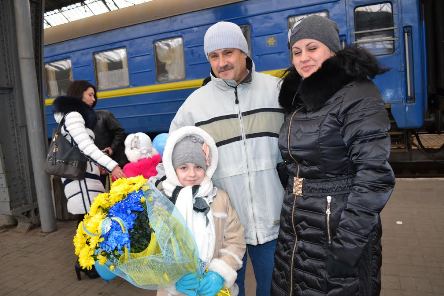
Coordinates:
(81, 193)
(244, 120)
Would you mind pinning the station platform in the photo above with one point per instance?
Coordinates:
(36, 263)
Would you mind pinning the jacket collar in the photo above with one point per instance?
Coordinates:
(66, 104)
(349, 64)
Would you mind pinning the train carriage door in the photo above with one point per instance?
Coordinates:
(377, 26)
(433, 11)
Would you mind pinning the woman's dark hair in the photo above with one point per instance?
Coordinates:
(78, 87)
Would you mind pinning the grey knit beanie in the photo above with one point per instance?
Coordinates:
(224, 35)
(189, 150)
(316, 27)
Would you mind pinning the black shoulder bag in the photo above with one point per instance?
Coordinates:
(65, 159)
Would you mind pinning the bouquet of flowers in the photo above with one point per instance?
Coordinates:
(136, 232)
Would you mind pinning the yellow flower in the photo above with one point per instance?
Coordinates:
(100, 202)
(86, 259)
(88, 235)
(102, 259)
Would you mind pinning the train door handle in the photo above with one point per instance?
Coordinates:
(408, 49)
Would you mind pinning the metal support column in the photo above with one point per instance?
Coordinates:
(33, 112)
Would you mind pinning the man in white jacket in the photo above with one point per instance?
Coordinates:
(239, 108)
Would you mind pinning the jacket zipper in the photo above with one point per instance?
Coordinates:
(294, 247)
(294, 205)
(236, 101)
(328, 212)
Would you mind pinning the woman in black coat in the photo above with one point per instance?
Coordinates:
(336, 145)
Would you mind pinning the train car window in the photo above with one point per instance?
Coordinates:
(374, 28)
(58, 77)
(293, 20)
(170, 63)
(246, 30)
(111, 69)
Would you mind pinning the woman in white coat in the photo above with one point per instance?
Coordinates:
(79, 120)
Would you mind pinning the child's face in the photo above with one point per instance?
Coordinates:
(190, 174)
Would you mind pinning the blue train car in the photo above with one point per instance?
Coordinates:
(148, 58)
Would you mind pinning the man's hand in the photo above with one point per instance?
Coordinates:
(108, 151)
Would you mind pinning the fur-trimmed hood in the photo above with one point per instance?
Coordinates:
(349, 64)
(178, 135)
(66, 104)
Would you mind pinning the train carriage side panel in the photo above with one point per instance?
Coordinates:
(410, 113)
(149, 105)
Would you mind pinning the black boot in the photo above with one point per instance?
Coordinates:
(91, 273)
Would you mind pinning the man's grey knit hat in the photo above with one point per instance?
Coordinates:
(316, 27)
(224, 35)
(189, 150)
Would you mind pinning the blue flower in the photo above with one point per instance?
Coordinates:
(122, 216)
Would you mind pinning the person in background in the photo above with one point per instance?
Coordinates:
(159, 143)
(109, 135)
(336, 145)
(240, 110)
(190, 159)
(79, 121)
(142, 156)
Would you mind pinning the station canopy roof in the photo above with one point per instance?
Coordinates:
(64, 11)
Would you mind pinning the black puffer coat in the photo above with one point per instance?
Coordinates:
(330, 235)
(109, 133)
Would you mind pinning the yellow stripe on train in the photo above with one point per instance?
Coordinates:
(139, 90)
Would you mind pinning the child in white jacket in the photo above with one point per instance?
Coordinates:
(190, 159)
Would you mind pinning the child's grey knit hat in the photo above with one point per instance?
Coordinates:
(316, 27)
(224, 35)
(189, 150)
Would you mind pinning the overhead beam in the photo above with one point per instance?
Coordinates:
(57, 4)
(148, 11)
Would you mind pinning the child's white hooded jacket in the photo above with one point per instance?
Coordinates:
(221, 241)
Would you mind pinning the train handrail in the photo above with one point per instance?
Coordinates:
(375, 40)
(408, 65)
(374, 30)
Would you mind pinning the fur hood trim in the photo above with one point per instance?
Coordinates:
(348, 65)
(66, 104)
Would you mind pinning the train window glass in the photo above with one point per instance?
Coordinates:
(293, 20)
(58, 77)
(246, 30)
(111, 69)
(170, 62)
(374, 28)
